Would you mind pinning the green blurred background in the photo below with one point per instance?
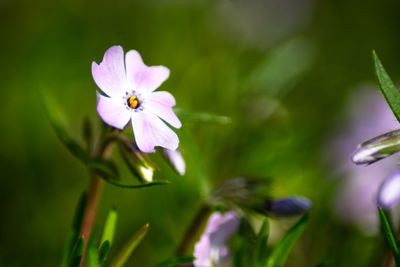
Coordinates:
(281, 69)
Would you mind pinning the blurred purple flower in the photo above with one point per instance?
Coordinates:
(369, 116)
(287, 207)
(176, 160)
(129, 86)
(389, 192)
(211, 249)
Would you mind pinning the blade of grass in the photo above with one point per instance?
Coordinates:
(389, 90)
(124, 254)
(284, 247)
(389, 234)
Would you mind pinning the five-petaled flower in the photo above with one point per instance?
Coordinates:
(129, 87)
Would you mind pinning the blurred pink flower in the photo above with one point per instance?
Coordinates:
(129, 86)
(369, 116)
(176, 160)
(211, 250)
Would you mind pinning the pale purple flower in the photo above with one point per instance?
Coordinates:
(176, 160)
(129, 85)
(389, 192)
(211, 250)
(355, 202)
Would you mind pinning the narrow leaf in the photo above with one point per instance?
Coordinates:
(109, 174)
(389, 234)
(176, 261)
(261, 244)
(109, 227)
(108, 235)
(284, 247)
(106, 169)
(77, 253)
(129, 247)
(87, 133)
(76, 225)
(58, 122)
(103, 251)
(389, 90)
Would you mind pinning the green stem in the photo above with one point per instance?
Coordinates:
(193, 231)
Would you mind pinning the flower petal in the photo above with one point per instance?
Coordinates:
(389, 192)
(221, 227)
(176, 160)
(110, 75)
(160, 104)
(202, 252)
(112, 112)
(150, 131)
(142, 77)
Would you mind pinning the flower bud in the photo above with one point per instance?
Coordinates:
(176, 160)
(389, 192)
(377, 148)
(286, 207)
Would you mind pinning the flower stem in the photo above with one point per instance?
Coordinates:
(193, 231)
(94, 195)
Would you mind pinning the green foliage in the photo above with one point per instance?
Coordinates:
(109, 227)
(283, 249)
(58, 122)
(389, 90)
(124, 254)
(389, 234)
(260, 251)
(76, 253)
(243, 246)
(108, 235)
(104, 249)
(74, 232)
(105, 169)
(178, 261)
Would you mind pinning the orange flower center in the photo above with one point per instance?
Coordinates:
(133, 102)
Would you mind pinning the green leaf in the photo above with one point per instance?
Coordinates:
(58, 122)
(242, 245)
(108, 235)
(390, 236)
(389, 90)
(76, 225)
(134, 186)
(261, 244)
(87, 133)
(109, 227)
(103, 251)
(124, 254)
(174, 262)
(106, 169)
(282, 250)
(92, 255)
(77, 253)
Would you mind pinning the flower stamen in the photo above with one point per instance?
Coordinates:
(133, 102)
